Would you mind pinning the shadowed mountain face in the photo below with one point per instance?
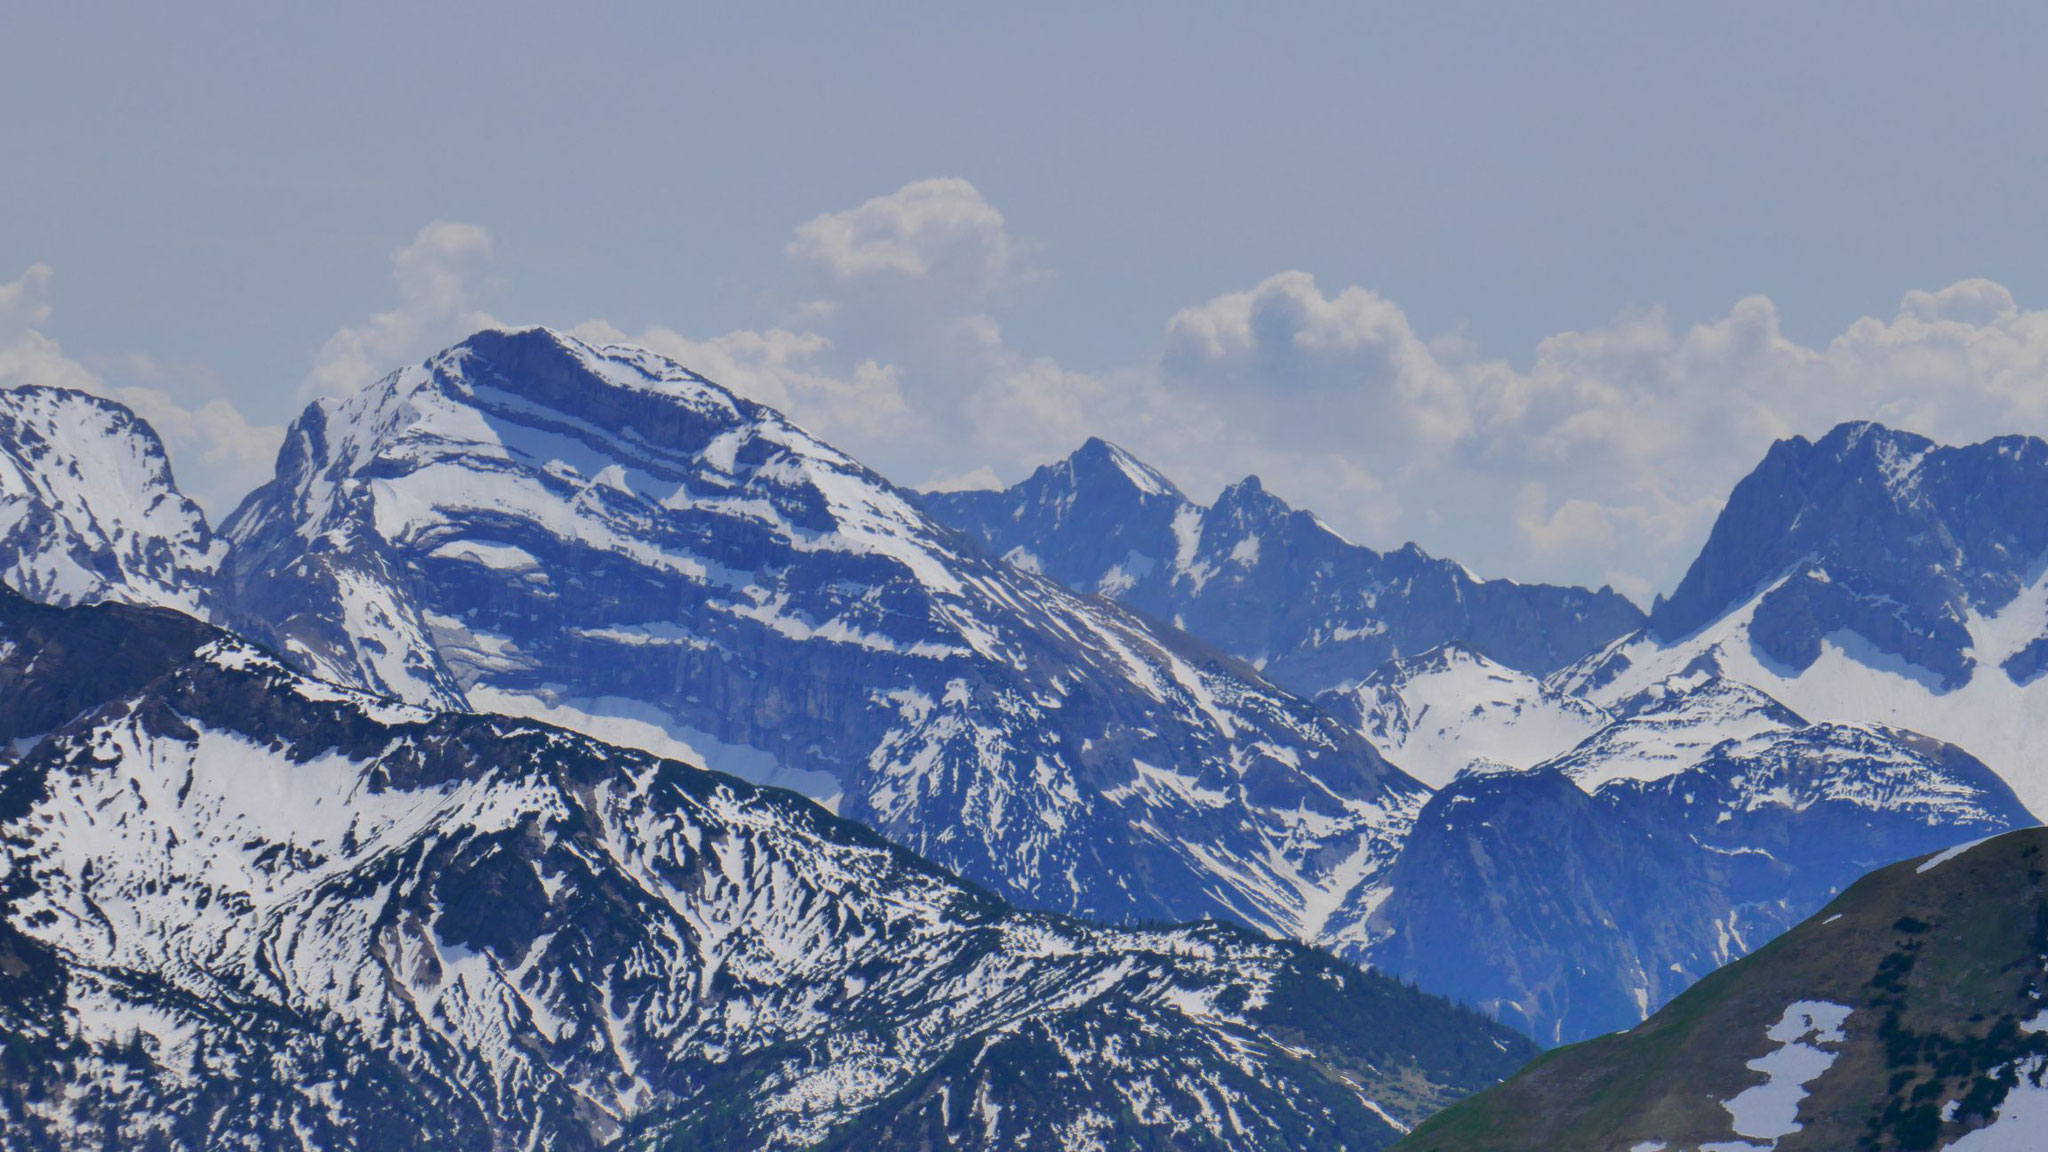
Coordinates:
(1908, 1014)
(1265, 582)
(1574, 899)
(598, 537)
(226, 882)
(1880, 533)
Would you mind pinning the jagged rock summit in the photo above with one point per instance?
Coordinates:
(1872, 575)
(1267, 582)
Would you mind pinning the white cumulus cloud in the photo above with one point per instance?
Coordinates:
(1284, 349)
(435, 309)
(927, 237)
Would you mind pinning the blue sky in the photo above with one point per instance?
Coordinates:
(1532, 286)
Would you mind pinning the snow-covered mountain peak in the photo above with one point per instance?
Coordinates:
(1248, 509)
(534, 437)
(639, 425)
(1871, 576)
(89, 510)
(1100, 520)
(1439, 712)
(1698, 692)
(1670, 726)
(1894, 452)
(1480, 767)
(1868, 514)
(1249, 494)
(601, 538)
(477, 397)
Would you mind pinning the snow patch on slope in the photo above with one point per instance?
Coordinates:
(1946, 855)
(1770, 1111)
(2021, 1119)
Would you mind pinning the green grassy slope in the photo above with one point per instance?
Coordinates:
(1941, 969)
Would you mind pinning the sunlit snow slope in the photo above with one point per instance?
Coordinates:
(1441, 711)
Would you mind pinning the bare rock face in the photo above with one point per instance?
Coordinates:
(1877, 532)
(1872, 575)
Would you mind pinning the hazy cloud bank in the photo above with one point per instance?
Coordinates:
(1601, 457)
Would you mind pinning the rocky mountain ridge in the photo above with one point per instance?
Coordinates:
(1266, 582)
(242, 908)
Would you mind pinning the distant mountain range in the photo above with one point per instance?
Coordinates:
(1610, 826)
(1090, 695)
(1267, 583)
